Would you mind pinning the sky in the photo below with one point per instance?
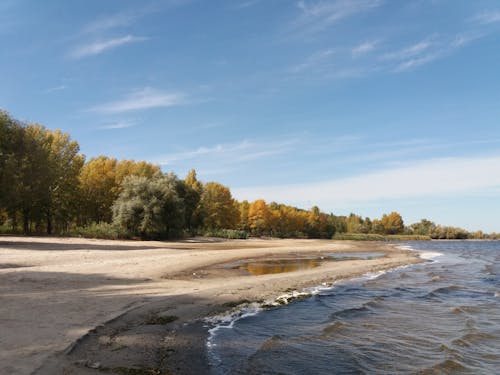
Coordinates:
(365, 106)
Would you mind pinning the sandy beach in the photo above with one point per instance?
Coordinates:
(81, 306)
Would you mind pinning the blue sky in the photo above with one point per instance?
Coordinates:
(364, 105)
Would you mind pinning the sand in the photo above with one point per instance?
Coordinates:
(69, 305)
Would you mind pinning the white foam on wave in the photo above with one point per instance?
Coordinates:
(227, 320)
(429, 255)
(405, 247)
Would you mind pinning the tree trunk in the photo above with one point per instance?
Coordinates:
(49, 222)
(26, 223)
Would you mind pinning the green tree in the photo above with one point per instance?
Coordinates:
(424, 227)
(150, 207)
(101, 182)
(11, 146)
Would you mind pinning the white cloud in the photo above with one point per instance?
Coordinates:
(426, 51)
(408, 52)
(56, 88)
(430, 178)
(418, 61)
(229, 153)
(98, 47)
(119, 125)
(364, 48)
(247, 4)
(142, 99)
(486, 18)
(318, 15)
(109, 22)
(314, 61)
(463, 39)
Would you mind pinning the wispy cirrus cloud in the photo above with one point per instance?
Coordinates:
(146, 98)
(487, 17)
(409, 51)
(376, 59)
(55, 88)
(109, 22)
(314, 61)
(226, 155)
(246, 4)
(101, 46)
(364, 48)
(118, 125)
(426, 51)
(316, 16)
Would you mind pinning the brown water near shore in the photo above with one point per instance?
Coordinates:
(270, 266)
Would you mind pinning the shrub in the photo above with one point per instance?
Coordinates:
(101, 230)
(224, 233)
(379, 237)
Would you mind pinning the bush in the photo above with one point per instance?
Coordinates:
(101, 230)
(150, 208)
(379, 237)
(233, 234)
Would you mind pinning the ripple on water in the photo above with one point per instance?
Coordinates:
(448, 366)
(434, 318)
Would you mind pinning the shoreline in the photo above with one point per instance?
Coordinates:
(155, 323)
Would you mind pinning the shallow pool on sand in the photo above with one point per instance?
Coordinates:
(270, 266)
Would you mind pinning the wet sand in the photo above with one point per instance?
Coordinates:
(81, 306)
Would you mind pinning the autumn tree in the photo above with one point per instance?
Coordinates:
(319, 224)
(259, 217)
(219, 209)
(392, 223)
(354, 223)
(192, 196)
(244, 210)
(101, 179)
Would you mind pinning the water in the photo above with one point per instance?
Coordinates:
(435, 318)
(270, 266)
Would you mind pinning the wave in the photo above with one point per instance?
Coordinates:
(332, 328)
(429, 255)
(448, 366)
(227, 320)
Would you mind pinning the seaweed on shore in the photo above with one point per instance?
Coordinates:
(160, 319)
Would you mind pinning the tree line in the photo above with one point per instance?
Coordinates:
(48, 186)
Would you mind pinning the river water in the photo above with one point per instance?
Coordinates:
(441, 317)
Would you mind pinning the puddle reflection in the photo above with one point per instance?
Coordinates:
(270, 266)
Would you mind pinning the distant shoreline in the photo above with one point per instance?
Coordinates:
(75, 303)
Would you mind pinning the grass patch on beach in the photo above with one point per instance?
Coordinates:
(159, 319)
(380, 237)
